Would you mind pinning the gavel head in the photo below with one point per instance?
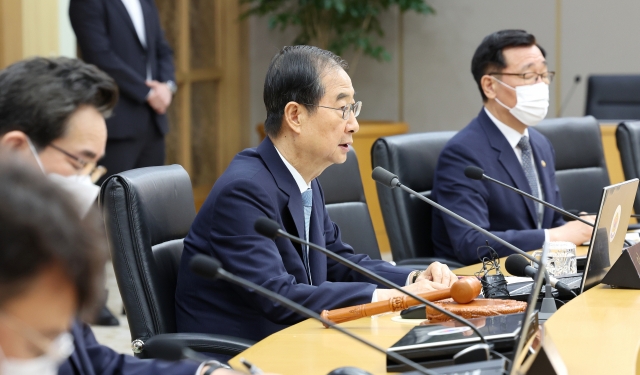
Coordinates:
(466, 289)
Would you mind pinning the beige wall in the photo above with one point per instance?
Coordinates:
(34, 28)
(437, 89)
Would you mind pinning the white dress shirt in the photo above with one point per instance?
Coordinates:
(513, 137)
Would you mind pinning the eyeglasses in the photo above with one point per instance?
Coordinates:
(529, 77)
(86, 167)
(346, 110)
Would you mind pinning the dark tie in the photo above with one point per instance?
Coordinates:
(527, 165)
(307, 201)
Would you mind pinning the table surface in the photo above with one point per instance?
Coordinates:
(595, 333)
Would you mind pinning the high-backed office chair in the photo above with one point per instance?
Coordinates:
(613, 97)
(628, 140)
(147, 214)
(413, 158)
(347, 207)
(581, 171)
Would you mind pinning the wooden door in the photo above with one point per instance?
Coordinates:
(207, 124)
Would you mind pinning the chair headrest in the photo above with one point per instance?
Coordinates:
(158, 200)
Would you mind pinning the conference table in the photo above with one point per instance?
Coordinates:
(596, 333)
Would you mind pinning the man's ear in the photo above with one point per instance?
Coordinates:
(488, 86)
(294, 115)
(14, 140)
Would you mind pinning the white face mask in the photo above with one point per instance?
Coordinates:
(47, 364)
(532, 102)
(81, 189)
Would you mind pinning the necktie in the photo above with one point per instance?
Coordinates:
(527, 165)
(307, 202)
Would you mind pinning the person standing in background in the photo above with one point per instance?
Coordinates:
(124, 38)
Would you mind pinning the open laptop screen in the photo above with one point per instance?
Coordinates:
(610, 229)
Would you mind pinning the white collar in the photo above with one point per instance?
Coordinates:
(512, 135)
(302, 184)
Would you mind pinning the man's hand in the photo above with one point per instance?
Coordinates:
(159, 97)
(573, 231)
(438, 273)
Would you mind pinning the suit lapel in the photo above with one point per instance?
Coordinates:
(127, 19)
(509, 161)
(286, 184)
(146, 16)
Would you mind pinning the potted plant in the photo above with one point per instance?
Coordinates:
(335, 25)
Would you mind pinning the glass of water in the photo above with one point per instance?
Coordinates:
(561, 259)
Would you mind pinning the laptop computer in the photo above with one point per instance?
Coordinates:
(435, 344)
(606, 242)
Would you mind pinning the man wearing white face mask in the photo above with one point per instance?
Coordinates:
(512, 75)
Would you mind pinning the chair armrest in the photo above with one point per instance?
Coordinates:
(200, 342)
(421, 263)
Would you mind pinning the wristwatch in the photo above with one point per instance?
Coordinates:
(213, 366)
(172, 86)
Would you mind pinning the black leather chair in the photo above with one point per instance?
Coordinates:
(628, 140)
(347, 207)
(613, 97)
(413, 158)
(147, 213)
(581, 170)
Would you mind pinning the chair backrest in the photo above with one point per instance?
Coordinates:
(581, 170)
(613, 97)
(628, 140)
(347, 207)
(147, 214)
(413, 158)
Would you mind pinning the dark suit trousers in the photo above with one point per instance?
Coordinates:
(146, 150)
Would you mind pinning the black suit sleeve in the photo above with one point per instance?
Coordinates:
(88, 22)
(164, 53)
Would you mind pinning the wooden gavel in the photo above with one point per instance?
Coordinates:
(462, 291)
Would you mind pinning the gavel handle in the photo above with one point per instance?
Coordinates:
(346, 314)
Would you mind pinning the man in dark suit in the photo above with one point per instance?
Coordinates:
(311, 118)
(124, 39)
(512, 74)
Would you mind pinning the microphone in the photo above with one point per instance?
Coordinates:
(172, 351)
(210, 268)
(564, 103)
(388, 179)
(271, 229)
(519, 266)
(476, 173)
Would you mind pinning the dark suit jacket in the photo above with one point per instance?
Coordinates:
(258, 184)
(91, 358)
(506, 214)
(107, 38)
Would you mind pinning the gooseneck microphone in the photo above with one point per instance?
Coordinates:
(210, 268)
(271, 229)
(476, 173)
(389, 179)
(519, 266)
